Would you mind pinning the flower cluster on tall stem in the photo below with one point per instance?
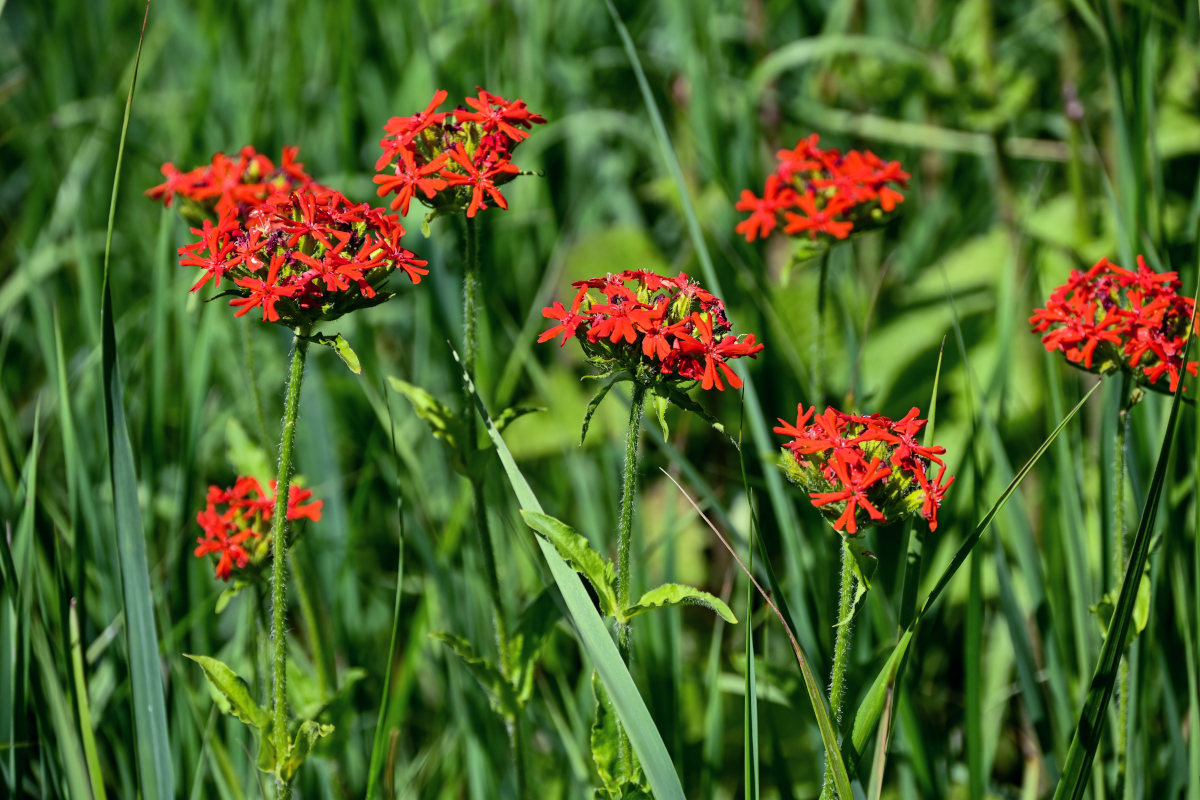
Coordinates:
(1110, 319)
(661, 330)
(864, 470)
(232, 185)
(235, 516)
(302, 257)
(453, 160)
(823, 194)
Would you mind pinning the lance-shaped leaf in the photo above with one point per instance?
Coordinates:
(499, 691)
(576, 550)
(1141, 610)
(659, 405)
(510, 415)
(678, 594)
(525, 643)
(445, 424)
(863, 564)
(302, 745)
(616, 776)
(607, 381)
(234, 691)
(339, 345)
(682, 400)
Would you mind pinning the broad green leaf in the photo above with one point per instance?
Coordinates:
(576, 550)
(235, 692)
(607, 381)
(617, 777)
(302, 745)
(525, 643)
(499, 691)
(678, 594)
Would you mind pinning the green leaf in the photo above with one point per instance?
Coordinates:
(659, 404)
(510, 415)
(576, 550)
(617, 778)
(499, 691)
(678, 594)
(339, 345)
(863, 565)
(685, 402)
(1141, 611)
(235, 692)
(308, 735)
(607, 381)
(525, 643)
(247, 456)
(445, 424)
(226, 597)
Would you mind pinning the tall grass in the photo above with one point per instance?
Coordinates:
(1042, 135)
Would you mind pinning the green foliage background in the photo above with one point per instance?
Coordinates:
(1041, 135)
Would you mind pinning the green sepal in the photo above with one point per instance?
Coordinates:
(678, 594)
(577, 551)
(339, 345)
(616, 780)
(500, 692)
(233, 693)
(525, 644)
(863, 566)
(1141, 610)
(607, 381)
(302, 745)
(445, 424)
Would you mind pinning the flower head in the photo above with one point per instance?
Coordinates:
(232, 185)
(862, 471)
(1110, 319)
(234, 519)
(453, 161)
(823, 195)
(659, 329)
(303, 257)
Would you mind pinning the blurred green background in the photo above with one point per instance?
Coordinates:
(1041, 135)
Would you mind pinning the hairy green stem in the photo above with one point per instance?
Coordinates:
(841, 652)
(279, 561)
(624, 537)
(1122, 556)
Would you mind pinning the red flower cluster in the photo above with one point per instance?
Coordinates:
(864, 470)
(455, 159)
(233, 185)
(234, 515)
(823, 193)
(654, 327)
(302, 257)
(1110, 318)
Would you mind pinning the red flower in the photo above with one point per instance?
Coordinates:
(410, 178)
(233, 186)
(850, 463)
(481, 179)
(495, 114)
(819, 220)
(264, 293)
(657, 328)
(765, 211)
(1109, 319)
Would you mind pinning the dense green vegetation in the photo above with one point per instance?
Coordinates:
(1041, 135)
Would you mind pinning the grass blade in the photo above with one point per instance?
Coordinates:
(594, 635)
(95, 775)
(149, 705)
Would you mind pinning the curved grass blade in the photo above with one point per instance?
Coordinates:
(1086, 738)
(815, 695)
(593, 634)
(155, 775)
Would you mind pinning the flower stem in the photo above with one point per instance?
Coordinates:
(624, 536)
(1119, 549)
(841, 652)
(491, 573)
(279, 560)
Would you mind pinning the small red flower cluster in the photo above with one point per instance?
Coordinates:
(233, 185)
(654, 327)
(1110, 318)
(302, 257)
(456, 159)
(232, 516)
(864, 470)
(823, 193)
